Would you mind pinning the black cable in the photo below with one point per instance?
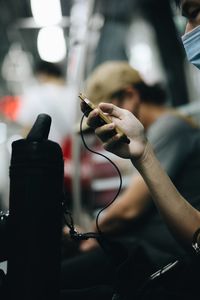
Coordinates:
(114, 165)
(70, 223)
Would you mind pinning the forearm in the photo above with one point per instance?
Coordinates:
(110, 222)
(115, 218)
(127, 208)
(179, 215)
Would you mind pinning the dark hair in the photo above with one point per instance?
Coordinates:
(151, 93)
(44, 67)
(155, 94)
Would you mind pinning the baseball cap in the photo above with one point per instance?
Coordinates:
(109, 78)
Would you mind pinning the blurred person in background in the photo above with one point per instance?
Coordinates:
(50, 95)
(133, 219)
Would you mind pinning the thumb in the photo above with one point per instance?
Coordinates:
(111, 109)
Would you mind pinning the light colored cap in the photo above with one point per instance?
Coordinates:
(108, 78)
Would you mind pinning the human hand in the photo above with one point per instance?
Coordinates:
(88, 245)
(127, 122)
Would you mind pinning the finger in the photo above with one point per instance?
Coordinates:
(106, 132)
(110, 144)
(94, 119)
(111, 109)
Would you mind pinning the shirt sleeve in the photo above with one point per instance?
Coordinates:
(170, 137)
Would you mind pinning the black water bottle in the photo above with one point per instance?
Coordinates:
(36, 194)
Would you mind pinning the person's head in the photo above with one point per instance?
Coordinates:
(46, 71)
(191, 10)
(191, 40)
(117, 82)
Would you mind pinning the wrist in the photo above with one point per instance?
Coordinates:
(145, 157)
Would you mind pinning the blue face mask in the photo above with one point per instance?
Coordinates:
(191, 42)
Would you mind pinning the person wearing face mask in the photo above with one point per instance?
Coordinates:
(191, 44)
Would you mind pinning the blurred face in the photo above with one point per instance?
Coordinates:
(191, 10)
(128, 99)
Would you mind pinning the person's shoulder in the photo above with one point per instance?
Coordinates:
(171, 126)
(175, 122)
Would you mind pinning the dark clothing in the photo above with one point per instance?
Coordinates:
(78, 272)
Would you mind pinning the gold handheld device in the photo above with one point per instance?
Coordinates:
(105, 119)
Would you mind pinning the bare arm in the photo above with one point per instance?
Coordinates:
(179, 215)
(129, 206)
(125, 209)
(182, 219)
